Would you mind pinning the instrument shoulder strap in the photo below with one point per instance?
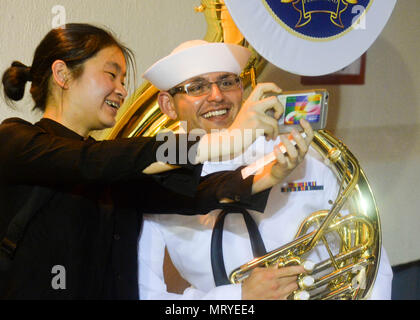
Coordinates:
(216, 247)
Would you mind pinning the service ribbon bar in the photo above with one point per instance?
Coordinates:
(301, 186)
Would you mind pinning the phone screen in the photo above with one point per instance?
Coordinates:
(311, 106)
(306, 107)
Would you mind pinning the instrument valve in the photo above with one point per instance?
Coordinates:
(301, 295)
(308, 266)
(306, 282)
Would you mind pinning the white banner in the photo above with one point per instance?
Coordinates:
(311, 37)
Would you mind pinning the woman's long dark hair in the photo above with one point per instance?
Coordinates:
(74, 43)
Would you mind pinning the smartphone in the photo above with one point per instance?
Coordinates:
(311, 105)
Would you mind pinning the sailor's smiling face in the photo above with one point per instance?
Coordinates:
(215, 109)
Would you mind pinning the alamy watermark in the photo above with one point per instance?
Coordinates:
(174, 150)
(359, 20)
(59, 16)
(58, 281)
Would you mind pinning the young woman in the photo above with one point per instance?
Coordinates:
(81, 239)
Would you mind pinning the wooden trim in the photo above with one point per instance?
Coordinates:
(340, 77)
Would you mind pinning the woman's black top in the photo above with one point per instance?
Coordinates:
(82, 244)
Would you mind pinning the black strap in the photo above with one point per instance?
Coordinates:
(38, 198)
(216, 250)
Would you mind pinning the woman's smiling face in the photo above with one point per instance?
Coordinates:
(96, 96)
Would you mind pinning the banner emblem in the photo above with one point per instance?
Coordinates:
(317, 19)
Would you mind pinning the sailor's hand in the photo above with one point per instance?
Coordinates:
(253, 114)
(295, 153)
(271, 283)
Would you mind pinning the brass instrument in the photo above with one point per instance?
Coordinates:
(352, 241)
(140, 115)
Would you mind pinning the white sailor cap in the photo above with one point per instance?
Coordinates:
(194, 58)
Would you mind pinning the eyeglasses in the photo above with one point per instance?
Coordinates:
(203, 87)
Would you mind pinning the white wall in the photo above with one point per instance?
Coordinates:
(151, 28)
(379, 121)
